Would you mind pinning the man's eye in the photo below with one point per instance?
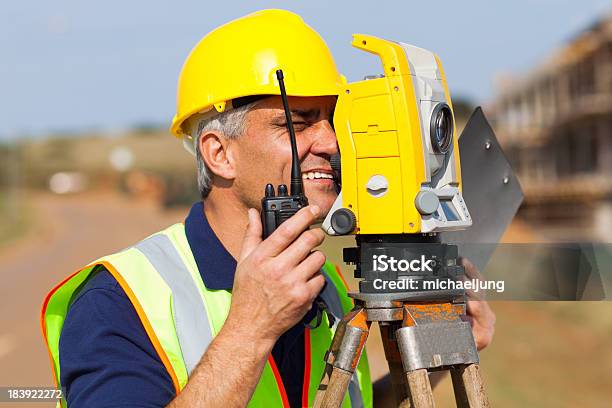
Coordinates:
(300, 124)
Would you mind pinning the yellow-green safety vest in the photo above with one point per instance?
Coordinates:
(181, 316)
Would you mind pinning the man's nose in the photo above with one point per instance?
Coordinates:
(324, 139)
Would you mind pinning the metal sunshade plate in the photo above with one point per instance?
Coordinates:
(490, 189)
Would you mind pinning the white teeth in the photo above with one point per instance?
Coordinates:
(311, 175)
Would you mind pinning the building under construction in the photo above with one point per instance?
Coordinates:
(555, 124)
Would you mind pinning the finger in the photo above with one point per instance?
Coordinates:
(302, 246)
(471, 270)
(310, 267)
(482, 319)
(481, 311)
(315, 285)
(473, 295)
(469, 292)
(482, 335)
(289, 230)
(474, 308)
(468, 318)
(252, 237)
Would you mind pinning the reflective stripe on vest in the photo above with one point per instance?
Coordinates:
(190, 319)
(181, 316)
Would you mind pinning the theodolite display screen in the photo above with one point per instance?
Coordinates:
(449, 210)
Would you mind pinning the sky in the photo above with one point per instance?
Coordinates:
(69, 65)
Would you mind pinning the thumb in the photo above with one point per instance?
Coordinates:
(252, 237)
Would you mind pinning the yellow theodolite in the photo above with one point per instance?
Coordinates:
(399, 155)
(400, 187)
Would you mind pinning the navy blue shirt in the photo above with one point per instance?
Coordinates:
(106, 357)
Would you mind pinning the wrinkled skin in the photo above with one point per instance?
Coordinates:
(264, 152)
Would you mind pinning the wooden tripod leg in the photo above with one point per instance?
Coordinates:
(396, 368)
(336, 389)
(421, 395)
(334, 349)
(469, 387)
(417, 380)
(342, 359)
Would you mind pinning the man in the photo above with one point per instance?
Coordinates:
(206, 313)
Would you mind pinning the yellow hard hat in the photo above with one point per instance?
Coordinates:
(241, 57)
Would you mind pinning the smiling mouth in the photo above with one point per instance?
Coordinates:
(317, 175)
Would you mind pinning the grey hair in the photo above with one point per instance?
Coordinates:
(231, 123)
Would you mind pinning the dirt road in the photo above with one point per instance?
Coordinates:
(66, 233)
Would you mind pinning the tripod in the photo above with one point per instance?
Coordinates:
(422, 332)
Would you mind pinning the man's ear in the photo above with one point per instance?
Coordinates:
(215, 151)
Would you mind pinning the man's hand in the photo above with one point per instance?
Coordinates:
(278, 279)
(275, 284)
(482, 318)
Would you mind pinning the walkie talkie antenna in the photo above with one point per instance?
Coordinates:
(297, 186)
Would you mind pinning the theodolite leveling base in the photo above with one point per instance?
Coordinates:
(418, 337)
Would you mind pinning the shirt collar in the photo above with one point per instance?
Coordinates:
(216, 265)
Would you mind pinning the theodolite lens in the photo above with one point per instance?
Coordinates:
(441, 128)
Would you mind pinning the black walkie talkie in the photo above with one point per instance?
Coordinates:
(276, 209)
